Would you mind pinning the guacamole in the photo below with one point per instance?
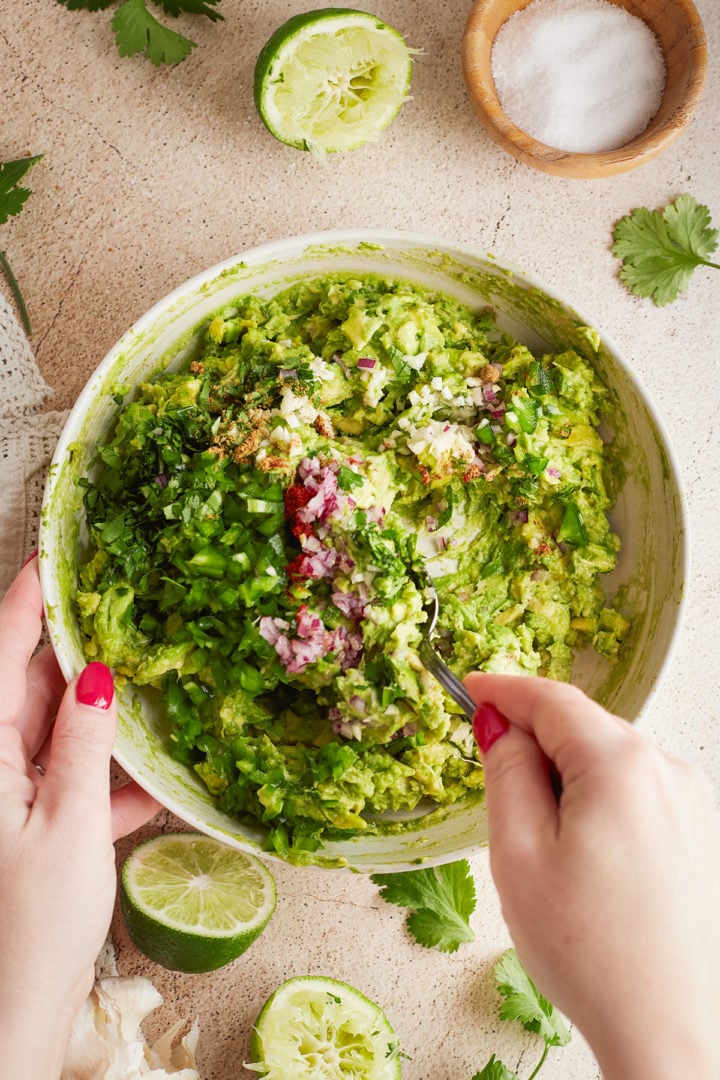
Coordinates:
(254, 522)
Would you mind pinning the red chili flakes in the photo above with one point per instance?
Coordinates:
(296, 496)
(296, 569)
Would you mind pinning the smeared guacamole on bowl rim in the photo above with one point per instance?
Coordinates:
(254, 518)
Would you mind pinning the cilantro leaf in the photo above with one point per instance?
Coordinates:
(660, 249)
(495, 1070)
(137, 31)
(441, 899)
(12, 197)
(193, 7)
(524, 1003)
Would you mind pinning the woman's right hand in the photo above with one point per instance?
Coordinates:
(611, 891)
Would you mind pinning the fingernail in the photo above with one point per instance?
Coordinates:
(488, 725)
(31, 556)
(95, 686)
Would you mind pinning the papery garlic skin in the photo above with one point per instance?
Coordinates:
(107, 1042)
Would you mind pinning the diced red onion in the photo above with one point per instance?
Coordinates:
(323, 482)
(349, 603)
(366, 362)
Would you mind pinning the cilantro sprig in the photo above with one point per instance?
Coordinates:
(441, 900)
(523, 1003)
(12, 200)
(137, 30)
(660, 249)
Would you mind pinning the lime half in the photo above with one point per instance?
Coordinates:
(193, 904)
(319, 1028)
(331, 79)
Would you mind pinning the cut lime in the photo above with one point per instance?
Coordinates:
(331, 79)
(319, 1028)
(193, 904)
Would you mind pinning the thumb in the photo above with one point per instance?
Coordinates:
(82, 741)
(519, 795)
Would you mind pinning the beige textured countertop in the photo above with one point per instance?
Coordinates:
(151, 175)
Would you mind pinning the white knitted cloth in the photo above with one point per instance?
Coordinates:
(28, 437)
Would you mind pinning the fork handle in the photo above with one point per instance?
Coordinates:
(445, 677)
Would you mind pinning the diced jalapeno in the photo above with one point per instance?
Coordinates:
(572, 528)
(527, 411)
(209, 561)
(535, 464)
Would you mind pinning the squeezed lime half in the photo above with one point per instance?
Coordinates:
(332, 79)
(316, 1028)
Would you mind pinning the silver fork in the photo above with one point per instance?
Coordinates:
(426, 652)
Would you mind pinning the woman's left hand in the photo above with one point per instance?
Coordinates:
(58, 821)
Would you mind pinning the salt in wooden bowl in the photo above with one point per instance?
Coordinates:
(679, 31)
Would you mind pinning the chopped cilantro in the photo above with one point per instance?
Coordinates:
(404, 373)
(446, 513)
(348, 479)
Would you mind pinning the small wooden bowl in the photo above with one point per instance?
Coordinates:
(678, 28)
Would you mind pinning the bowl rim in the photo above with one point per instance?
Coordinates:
(347, 239)
(643, 148)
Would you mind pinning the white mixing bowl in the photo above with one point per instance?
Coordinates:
(649, 514)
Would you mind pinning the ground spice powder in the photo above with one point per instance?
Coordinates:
(580, 75)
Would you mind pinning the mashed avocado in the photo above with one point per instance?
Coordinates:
(254, 516)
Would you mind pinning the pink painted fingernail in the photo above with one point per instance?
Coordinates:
(488, 725)
(31, 556)
(95, 686)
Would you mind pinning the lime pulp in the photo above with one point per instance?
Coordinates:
(332, 79)
(316, 1028)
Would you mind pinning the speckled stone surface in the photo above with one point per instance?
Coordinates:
(151, 175)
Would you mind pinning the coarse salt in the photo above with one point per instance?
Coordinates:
(583, 76)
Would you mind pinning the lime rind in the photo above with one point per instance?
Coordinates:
(317, 1028)
(193, 904)
(331, 80)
